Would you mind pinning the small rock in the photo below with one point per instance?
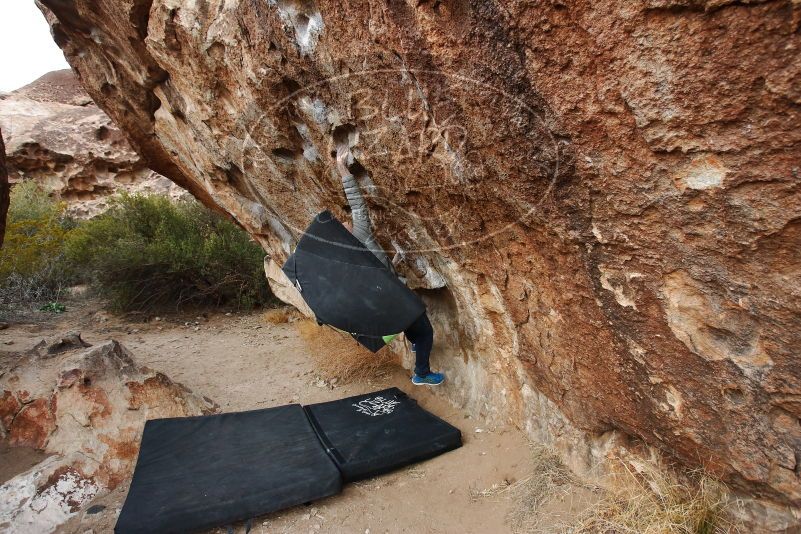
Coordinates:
(479, 431)
(157, 319)
(67, 342)
(228, 314)
(100, 317)
(95, 509)
(306, 517)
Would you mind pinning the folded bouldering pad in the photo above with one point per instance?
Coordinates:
(194, 473)
(368, 435)
(199, 472)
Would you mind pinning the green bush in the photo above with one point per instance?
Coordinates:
(148, 252)
(144, 253)
(32, 258)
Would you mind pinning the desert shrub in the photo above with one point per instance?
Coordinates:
(338, 356)
(29, 201)
(148, 252)
(32, 263)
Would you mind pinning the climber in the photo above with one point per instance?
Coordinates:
(420, 333)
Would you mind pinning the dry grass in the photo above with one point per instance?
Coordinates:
(550, 479)
(641, 498)
(280, 315)
(338, 356)
(416, 472)
(493, 491)
(637, 497)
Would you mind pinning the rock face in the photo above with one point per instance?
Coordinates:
(598, 201)
(57, 136)
(87, 407)
(5, 190)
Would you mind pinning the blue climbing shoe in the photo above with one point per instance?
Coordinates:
(431, 379)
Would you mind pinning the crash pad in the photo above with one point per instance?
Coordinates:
(367, 435)
(200, 472)
(195, 473)
(347, 287)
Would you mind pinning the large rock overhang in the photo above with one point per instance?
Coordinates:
(600, 203)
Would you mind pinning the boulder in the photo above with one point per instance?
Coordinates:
(87, 408)
(58, 137)
(599, 202)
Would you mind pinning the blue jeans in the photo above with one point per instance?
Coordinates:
(421, 334)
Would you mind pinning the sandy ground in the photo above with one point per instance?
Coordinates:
(242, 362)
(15, 460)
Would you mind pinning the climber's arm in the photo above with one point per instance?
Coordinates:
(358, 208)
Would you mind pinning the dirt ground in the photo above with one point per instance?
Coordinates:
(243, 362)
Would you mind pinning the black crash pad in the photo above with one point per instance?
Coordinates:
(371, 434)
(199, 472)
(194, 473)
(347, 286)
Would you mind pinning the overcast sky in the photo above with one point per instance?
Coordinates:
(26, 49)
